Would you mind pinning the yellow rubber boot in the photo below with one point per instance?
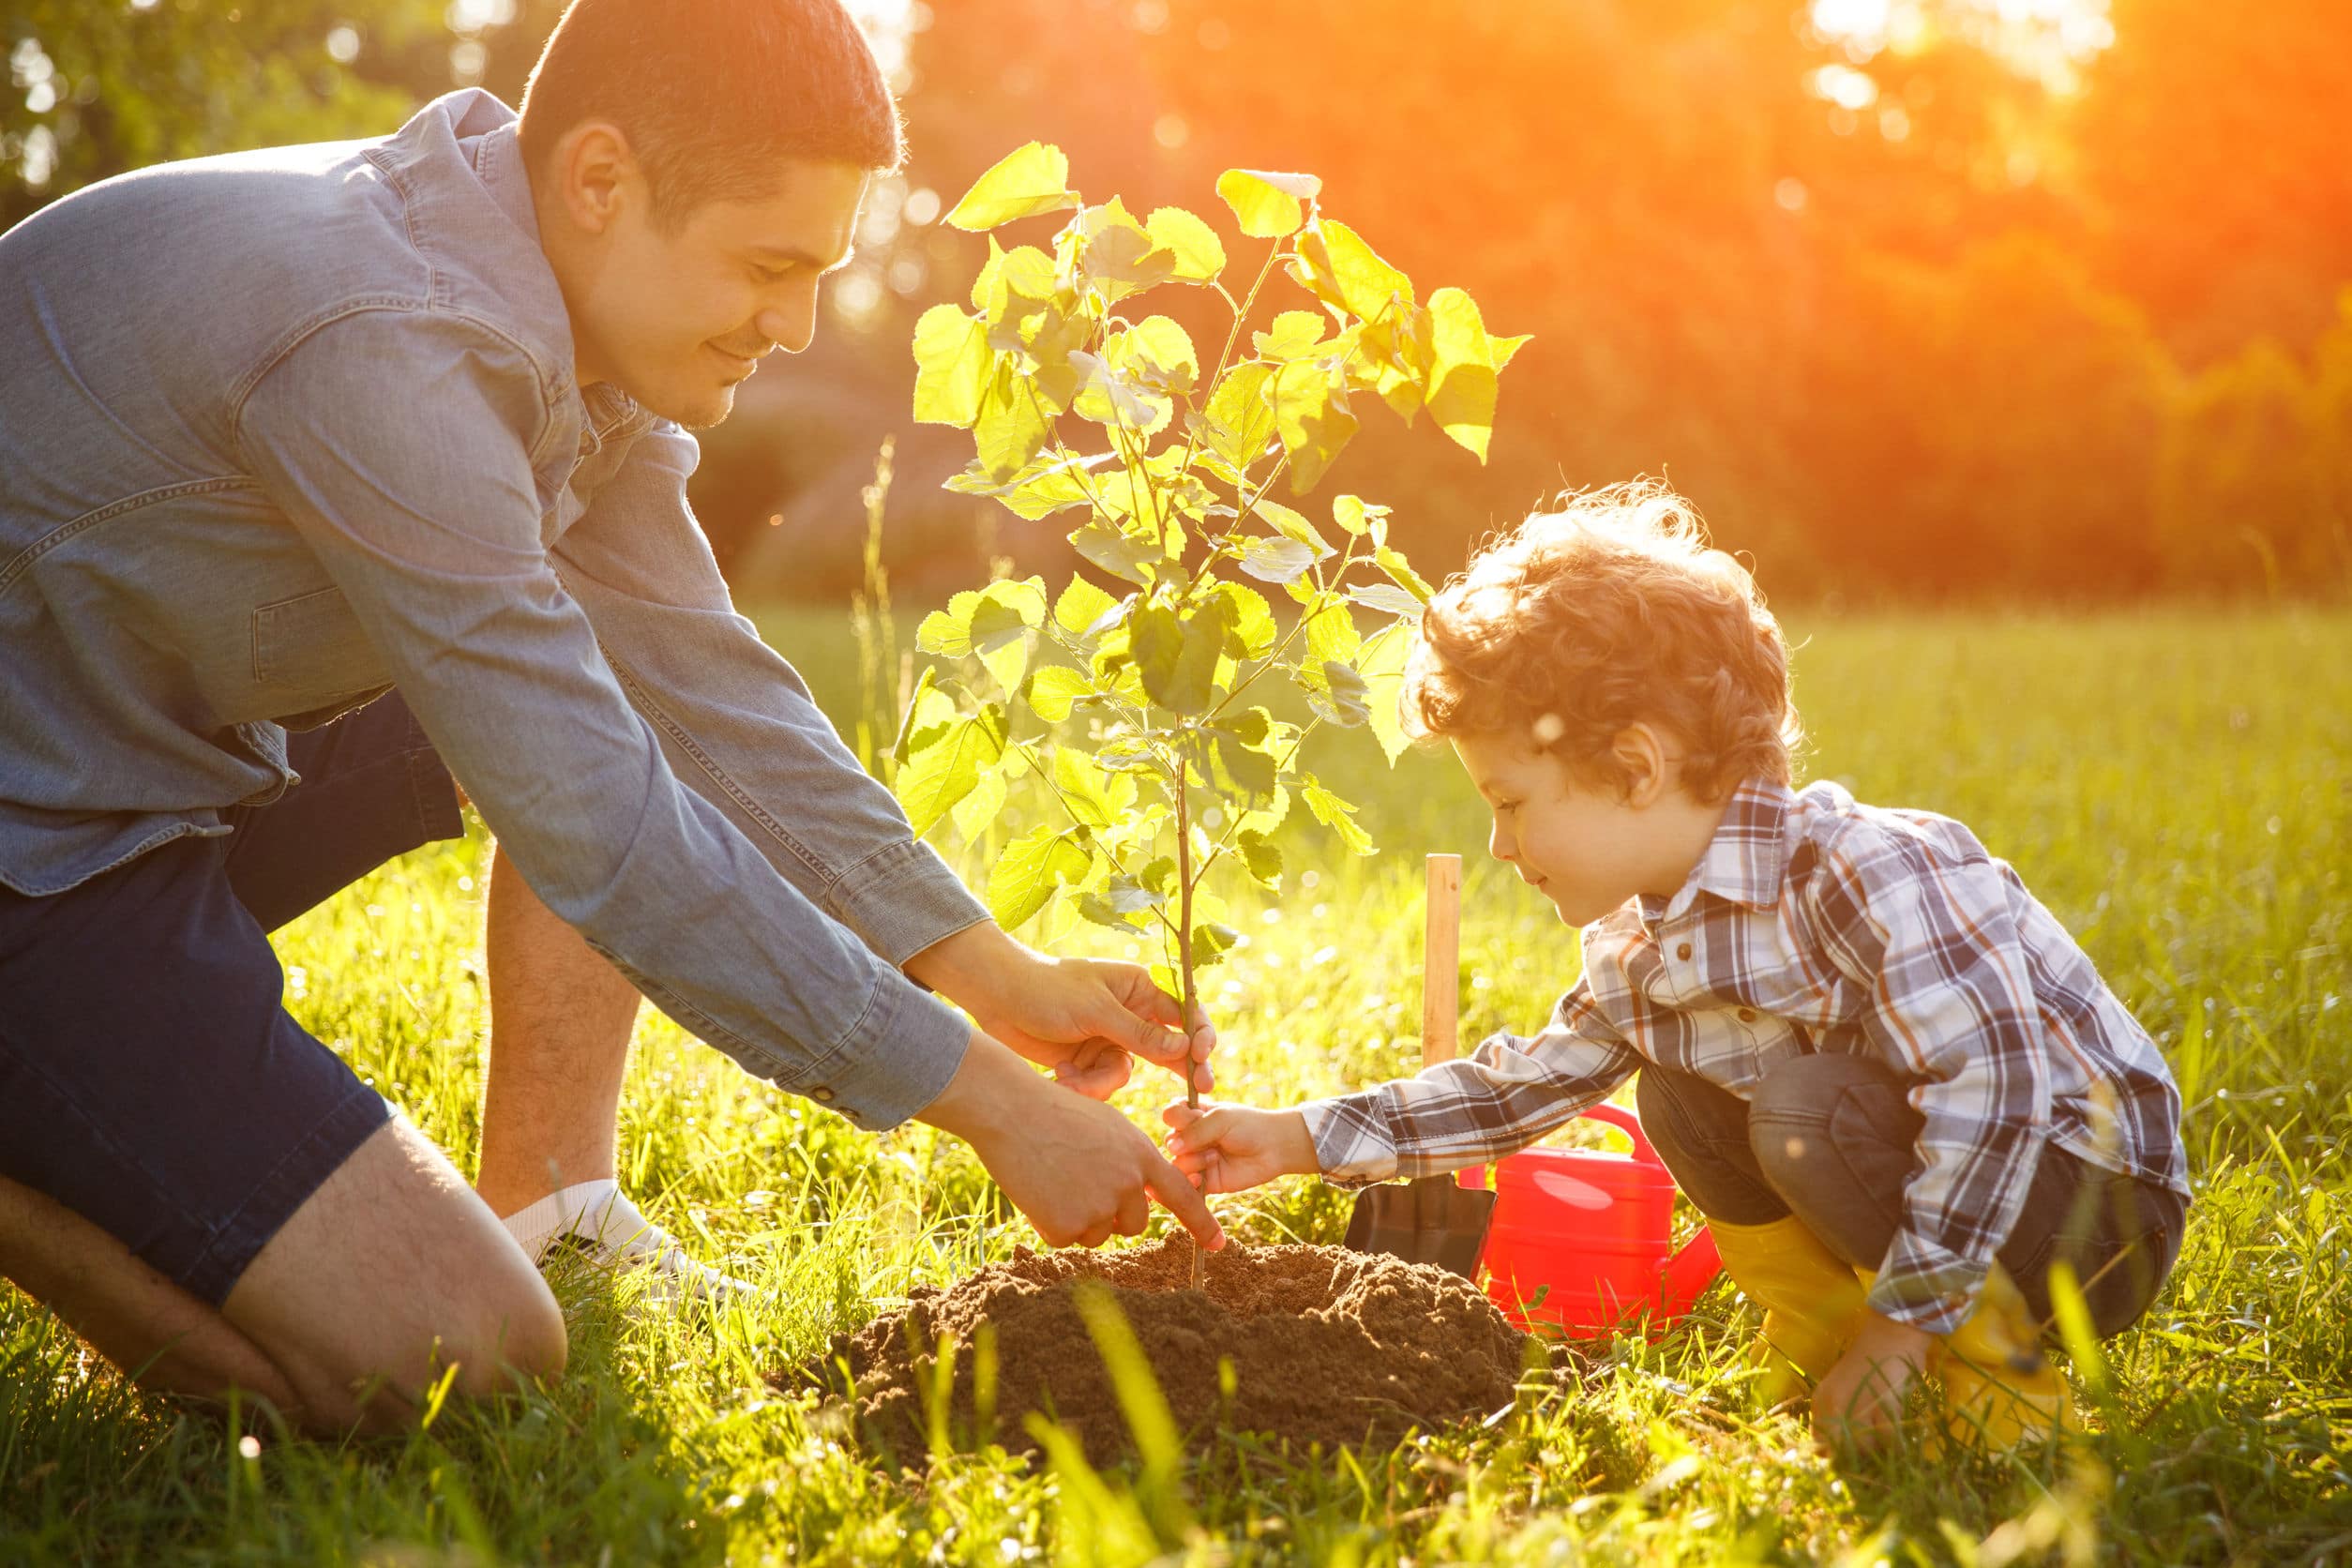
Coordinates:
(2000, 1388)
(1811, 1300)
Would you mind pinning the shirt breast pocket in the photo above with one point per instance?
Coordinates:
(311, 659)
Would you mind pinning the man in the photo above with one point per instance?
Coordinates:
(280, 432)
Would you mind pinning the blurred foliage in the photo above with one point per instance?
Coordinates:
(1914, 300)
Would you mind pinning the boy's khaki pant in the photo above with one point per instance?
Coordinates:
(1831, 1139)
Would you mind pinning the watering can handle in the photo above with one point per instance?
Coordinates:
(1627, 1123)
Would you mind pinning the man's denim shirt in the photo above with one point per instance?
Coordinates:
(278, 430)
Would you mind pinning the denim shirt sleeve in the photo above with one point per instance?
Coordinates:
(400, 447)
(734, 718)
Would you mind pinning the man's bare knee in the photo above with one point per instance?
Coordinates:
(392, 1273)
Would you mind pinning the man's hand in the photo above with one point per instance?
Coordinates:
(1080, 1171)
(1858, 1404)
(1229, 1148)
(1085, 1019)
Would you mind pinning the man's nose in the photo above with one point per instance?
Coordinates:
(790, 322)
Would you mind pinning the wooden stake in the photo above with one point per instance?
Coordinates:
(1441, 959)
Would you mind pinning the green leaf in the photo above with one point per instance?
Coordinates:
(1337, 815)
(1080, 605)
(935, 778)
(1120, 903)
(1400, 571)
(1338, 268)
(1385, 598)
(929, 714)
(1357, 517)
(1212, 942)
(1054, 689)
(1251, 771)
(1382, 665)
(1262, 857)
(1094, 797)
(1107, 548)
(1238, 421)
(952, 365)
(1178, 657)
(948, 632)
(1335, 691)
(1158, 353)
(1032, 180)
(1462, 371)
(1275, 560)
(1047, 485)
(1250, 631)
(975, 811)
(1029, 870)
(1011, 429)
(1266, 204)
(1109, 396)
(1002, 619)
(1290, 526)
(1296, 335)
(1330, 631)
(1312, 417)
(1199, 255)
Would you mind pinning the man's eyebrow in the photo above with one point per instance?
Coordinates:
(777, 254)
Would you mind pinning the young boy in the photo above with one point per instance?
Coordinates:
(1884, 1072)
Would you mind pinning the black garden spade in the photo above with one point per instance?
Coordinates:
(1430, 1219)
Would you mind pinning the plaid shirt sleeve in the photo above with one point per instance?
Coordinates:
(1499, 1099)
(1933, 938)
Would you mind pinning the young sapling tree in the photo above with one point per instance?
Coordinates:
(1159, 774)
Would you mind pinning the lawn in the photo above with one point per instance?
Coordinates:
(2176, 785)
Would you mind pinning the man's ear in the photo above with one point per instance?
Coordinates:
(596, 175)
(1640, 752)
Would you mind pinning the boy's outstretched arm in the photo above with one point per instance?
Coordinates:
(1235, 1148)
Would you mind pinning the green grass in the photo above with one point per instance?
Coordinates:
(2174, 785)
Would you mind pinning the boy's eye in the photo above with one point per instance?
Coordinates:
(770, 274)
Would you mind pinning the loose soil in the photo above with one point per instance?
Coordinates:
(1325, 1345)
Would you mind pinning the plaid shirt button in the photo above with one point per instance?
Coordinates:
(1683, 951)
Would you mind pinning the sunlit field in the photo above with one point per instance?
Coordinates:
(2178, 786)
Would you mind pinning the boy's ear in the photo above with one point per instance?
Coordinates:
(1641, 754)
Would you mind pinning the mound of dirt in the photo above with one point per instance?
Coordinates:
(1324, 1345)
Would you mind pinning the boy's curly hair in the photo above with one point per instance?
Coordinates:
(1606, 612)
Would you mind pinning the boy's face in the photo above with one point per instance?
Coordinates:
(676, 315)
(1580, 845)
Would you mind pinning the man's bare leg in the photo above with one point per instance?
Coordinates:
(389, 1273)
(559, 1023)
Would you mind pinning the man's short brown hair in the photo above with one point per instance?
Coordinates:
(712, 93)
(1610, 611)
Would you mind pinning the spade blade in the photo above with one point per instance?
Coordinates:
(1427, 1220)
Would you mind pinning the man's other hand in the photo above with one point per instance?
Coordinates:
(1085, 1019)
(1080, 1171)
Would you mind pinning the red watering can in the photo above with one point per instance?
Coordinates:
(1581, 1240)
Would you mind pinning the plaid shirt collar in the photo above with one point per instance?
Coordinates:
(1746, 860)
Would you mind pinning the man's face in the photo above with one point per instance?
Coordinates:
(677, 314)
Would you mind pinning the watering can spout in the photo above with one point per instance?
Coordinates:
(1689, 1272)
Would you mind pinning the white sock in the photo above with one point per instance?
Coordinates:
(590, 1209)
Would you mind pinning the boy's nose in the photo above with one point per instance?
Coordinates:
(1501, 845)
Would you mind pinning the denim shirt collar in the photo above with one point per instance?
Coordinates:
(1745, 862)
(496, 158)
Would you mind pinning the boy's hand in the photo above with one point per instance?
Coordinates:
(1857, 1406)
(1229, 1148)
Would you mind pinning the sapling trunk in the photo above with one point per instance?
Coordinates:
(1188, 998)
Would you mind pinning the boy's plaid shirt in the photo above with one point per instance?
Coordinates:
(1815, 924)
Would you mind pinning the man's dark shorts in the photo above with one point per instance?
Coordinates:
(149, 1077)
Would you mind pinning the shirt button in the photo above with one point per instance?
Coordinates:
(821, 1093)
(1747, 1014)
(1683, 951)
